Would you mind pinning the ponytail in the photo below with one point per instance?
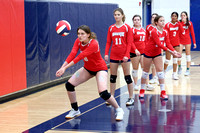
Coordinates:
(93, 36)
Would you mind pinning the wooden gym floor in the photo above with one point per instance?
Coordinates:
(44, 111)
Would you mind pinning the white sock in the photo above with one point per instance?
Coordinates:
(162, 87)
(143, 86)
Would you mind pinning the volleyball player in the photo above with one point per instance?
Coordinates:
(136, 55)
(120, 36)
(149, 27)
(157, 37)
(94, 66)
(174, 28)
(185, 41)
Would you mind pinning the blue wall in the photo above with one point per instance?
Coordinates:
(194, 17)
(45, 50)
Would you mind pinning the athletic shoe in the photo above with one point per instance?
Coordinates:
(187, 73)
(119, 114)
(179, 70)
(130, 101)
(163, 95)
(72, 114)
(150, 87)
(136, 87)
(154, 80)
(141, 95)
(175, 77)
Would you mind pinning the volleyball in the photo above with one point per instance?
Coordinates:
(63, 28)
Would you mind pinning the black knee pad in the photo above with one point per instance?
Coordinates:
(128, 79)
(69, 86)
(113, 78)
(105, 95)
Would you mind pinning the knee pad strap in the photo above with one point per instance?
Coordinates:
(105, 95)
(69, 86)
(113, 78)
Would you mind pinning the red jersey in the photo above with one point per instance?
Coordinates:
(185, 39)
(121, 39)
(90, 53)
(156, 42)
(138, 39)
(148, 29)
(174, 30)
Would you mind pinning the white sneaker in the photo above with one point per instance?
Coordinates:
(175, 77)
(179, 70)
(150, 87)
(187, 73)
(154, 80)
(136, 87)
(72, 114)
(130, 101)
(119, 114)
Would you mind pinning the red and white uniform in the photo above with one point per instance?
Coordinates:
(138, 39)
(90, 53)
(148, 29)
(185, 39)
(174, 30)
(156, 43)
(121, 39)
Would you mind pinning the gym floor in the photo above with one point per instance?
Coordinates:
(45, 111)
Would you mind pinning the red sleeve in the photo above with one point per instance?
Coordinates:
(108, 43)
(129, 41)
(157, 40)
(166, 27)
(147, 34)
(192, 33)
(181, 28)
(168, 44)
(74, 51)
(133, 42)
(88, 51)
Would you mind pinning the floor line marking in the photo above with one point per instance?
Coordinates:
(84, 112)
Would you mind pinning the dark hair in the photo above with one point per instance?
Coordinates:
(187, 20)
(174, 13)
(122, 12)
(136, 16)
(157, 18)
(88, 31)
(154, 14)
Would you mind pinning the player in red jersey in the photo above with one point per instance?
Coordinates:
(136, 55)
(149, 27)
(94, 65)
(153, 49)
(120, 36)
(174, 28)
(185, 41)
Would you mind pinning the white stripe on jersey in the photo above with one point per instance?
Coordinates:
(176, 28)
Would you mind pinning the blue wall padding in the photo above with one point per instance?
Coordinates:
(194, 17)
(45, 50)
